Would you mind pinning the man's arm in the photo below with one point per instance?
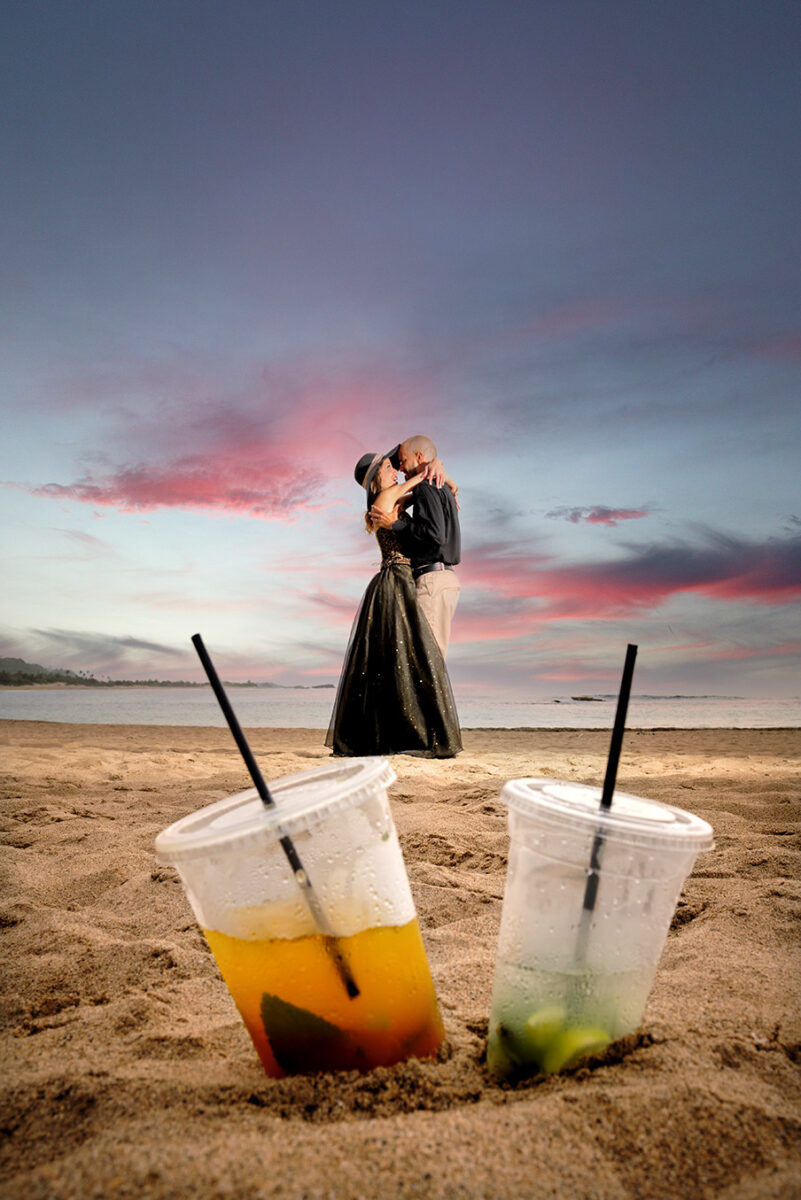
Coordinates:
(424, 534)
(428, 520)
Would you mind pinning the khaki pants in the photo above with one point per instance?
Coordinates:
(437, 595)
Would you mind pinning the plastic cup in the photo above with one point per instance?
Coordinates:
(573, 972)
(281, 971)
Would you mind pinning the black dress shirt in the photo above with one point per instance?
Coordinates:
(431, 534)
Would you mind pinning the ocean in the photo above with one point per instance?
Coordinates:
(310, 708)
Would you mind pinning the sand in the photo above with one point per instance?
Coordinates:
(125, 1070)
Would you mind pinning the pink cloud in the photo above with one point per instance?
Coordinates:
(234, 479)
(515, 593)
(598, 514)
(508, 595)
(240, 470)
(268, 453)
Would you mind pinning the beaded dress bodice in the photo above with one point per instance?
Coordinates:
(391, 553)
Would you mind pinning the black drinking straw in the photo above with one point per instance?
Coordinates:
(591, 890)
(287, 845)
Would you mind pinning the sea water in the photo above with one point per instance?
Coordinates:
(310, 708)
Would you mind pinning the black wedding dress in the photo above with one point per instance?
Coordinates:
(394, 695)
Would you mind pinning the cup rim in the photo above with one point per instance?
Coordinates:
(576, 806)
(302, 800)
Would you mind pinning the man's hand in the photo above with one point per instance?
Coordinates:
(380, 519)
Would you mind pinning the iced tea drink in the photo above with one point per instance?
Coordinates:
(281, 971)
(290, 996)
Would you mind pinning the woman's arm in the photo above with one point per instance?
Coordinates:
(387, 499)
(434, 472)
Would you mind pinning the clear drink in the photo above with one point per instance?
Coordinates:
(544, 1020)
(588, 902)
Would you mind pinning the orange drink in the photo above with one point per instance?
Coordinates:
(291, 998)
(332, 981)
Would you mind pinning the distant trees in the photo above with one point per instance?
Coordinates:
(15, 672)
(23, 678)
(84, 679)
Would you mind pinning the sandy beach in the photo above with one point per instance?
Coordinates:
(126, 1070)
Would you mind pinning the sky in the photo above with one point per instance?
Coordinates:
(244, 243)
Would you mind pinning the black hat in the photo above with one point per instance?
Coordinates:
(368, 464)
(366, 468)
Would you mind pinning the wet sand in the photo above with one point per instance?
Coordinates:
(125, 1070)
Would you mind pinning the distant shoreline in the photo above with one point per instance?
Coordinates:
(155, 687)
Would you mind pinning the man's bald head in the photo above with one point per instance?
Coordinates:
(415, 452)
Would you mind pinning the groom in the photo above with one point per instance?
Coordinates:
(430, 536)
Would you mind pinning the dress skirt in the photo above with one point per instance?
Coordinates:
(394, 695)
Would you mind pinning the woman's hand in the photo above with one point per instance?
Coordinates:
(434, 472)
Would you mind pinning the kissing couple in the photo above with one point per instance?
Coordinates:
(394, 695)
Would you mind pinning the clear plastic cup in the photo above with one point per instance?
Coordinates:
(589, 898)
(284, 974)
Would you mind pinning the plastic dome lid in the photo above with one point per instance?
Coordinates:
(301, 801)
(634, 818)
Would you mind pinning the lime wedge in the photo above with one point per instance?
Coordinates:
(505, 1053)
(571, 1045)
(543, 1026)
(301, 1041)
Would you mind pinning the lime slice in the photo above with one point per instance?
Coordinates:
(505, 1053)
(301, 1041)
(543, 1026)
(571, 1045)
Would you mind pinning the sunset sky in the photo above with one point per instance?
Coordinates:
(243, 243)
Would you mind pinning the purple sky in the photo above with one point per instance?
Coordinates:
(244, 243)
